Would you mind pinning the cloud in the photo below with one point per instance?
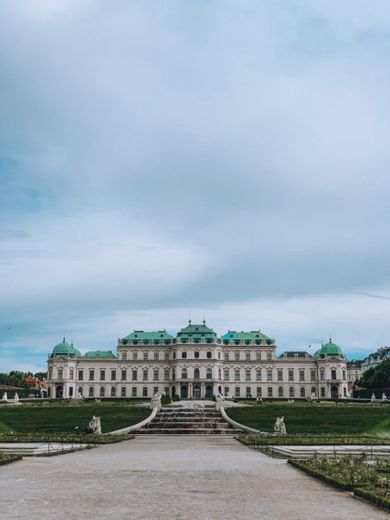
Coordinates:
(190, 155)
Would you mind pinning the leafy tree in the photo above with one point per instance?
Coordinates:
(375, 380)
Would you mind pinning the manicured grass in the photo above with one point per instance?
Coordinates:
(316, 419)
(65, 418)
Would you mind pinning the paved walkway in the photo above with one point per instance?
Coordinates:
(164, 477)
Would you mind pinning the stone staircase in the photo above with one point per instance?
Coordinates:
(200, 421)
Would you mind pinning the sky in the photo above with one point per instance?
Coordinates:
(193, 158)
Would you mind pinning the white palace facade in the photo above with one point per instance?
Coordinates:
(197, 364)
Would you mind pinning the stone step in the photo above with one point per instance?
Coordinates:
(188, 431)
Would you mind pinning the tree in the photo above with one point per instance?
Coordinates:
(375, 380)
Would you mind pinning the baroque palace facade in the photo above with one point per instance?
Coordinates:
(196, 364)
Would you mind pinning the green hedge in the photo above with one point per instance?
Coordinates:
(7, 459)
(312, 440)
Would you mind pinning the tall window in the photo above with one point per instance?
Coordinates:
(60, 372)
(155, 356)
(237, 391)
(184, 355)
(184, 373)
(237, 355)
(269, 356)
(312, 375)
(303, 393)
(145, 374)
(166, 374)
(146, 356)
(134, 391)
(247, 356)
(258, 391)
(196, 373)
(226, 356)
(219, 374)
(91, 375)
(90, 391)
(124, 355)
(71, 373)
(80, 391)
(209, 373)
(134, 375)
(248, 392)
(102, 375)
(280, 391)
(291, 391)
(196, 354)
(113, 375)
(208, 355)
(102, 391)
(343, 375)
(258, 374)
(123, 375)
(269, 374)
(237, 374)
(280, 374)
(123, 391)
(258, 356)
(301, 375)
(166, 356)
(135, 356)
(291, 374)
(322, 391)
(322, 374)
(269, 391)
(247, 374)
(113, 391)
(155, 374)
(226, 374)
(145, 391)
(334, 374)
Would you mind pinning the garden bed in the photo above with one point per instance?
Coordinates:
(63, 437)
(351, 474)
(313, 440)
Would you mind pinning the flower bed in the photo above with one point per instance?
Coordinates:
(351, 474)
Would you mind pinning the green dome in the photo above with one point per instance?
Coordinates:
(64, 349)
(329, 349)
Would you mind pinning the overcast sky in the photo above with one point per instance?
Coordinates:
(208, 158)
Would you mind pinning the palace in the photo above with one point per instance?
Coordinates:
(196, 364)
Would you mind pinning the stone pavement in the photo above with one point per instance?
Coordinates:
(171, 477)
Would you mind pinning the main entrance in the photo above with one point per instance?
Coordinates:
(334, 392)
(184, 392)
(196, 392)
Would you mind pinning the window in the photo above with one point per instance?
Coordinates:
(258, 356)
(102, 375)
(237, 374)
(247, 356)
(145, 391)
(258, 374)
(247, 374)
(209, 373)
(344, 392)
(123, 391)
(102, 391)
(155, 390)
(280, 374)
(134, 375)
(219, 355)
(280, 391)
(226, 356)
(184, 355)
(91, 375)
(173, 374)
(80, 391)
(90, 391)
(291, 391)
(60, 372)
(322, 374)
(123, 375)
(145, 374)
(269, 356)
(208, 355)
(226, 390)
(124, 355)
(237, 356)
(237, 391)
(155, 374)
(313, 391)
(174, 355)
(71, 391)
(134, 391)
(166, 374)
(166, 356)
(155, 356)
(344, 376)
(302, 391)
(322, 391)
(312, 375)
(334, 374)
(269, 374)
(196, 373)
(219, 374)
(196, 354)
(291, 374)
(269, 390)
(258, 391)
(248, 392)
(113, 375)
(184, 373)
(71, 373)
(226, 374)
(113, 391)
(301, 375)
(146, 357)
(135, 356)
(81, 375)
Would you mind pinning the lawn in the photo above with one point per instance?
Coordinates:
(65, 418)
(316, 419)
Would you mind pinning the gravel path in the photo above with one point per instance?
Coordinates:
(164, 477)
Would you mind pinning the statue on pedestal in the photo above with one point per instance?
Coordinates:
(280, 427)
(94, 426)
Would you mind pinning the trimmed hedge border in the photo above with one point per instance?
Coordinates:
(67, 438)
(358, 491)
(7, 459)
(312, 440)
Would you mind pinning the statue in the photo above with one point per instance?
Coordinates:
(94, 426)
(219, 399)
(156, 401)
(280, 427)
(384, 397)
(5, 397)
(373, 398)
(16, 398)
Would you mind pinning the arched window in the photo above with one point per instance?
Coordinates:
(102, 391)
(291, 391)
(208, 355)
(184, 373)
(303, 393)
(90, 391)
(209, 373)
(71, 373)
(196, 373)
(196, 354)
(184, 355)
